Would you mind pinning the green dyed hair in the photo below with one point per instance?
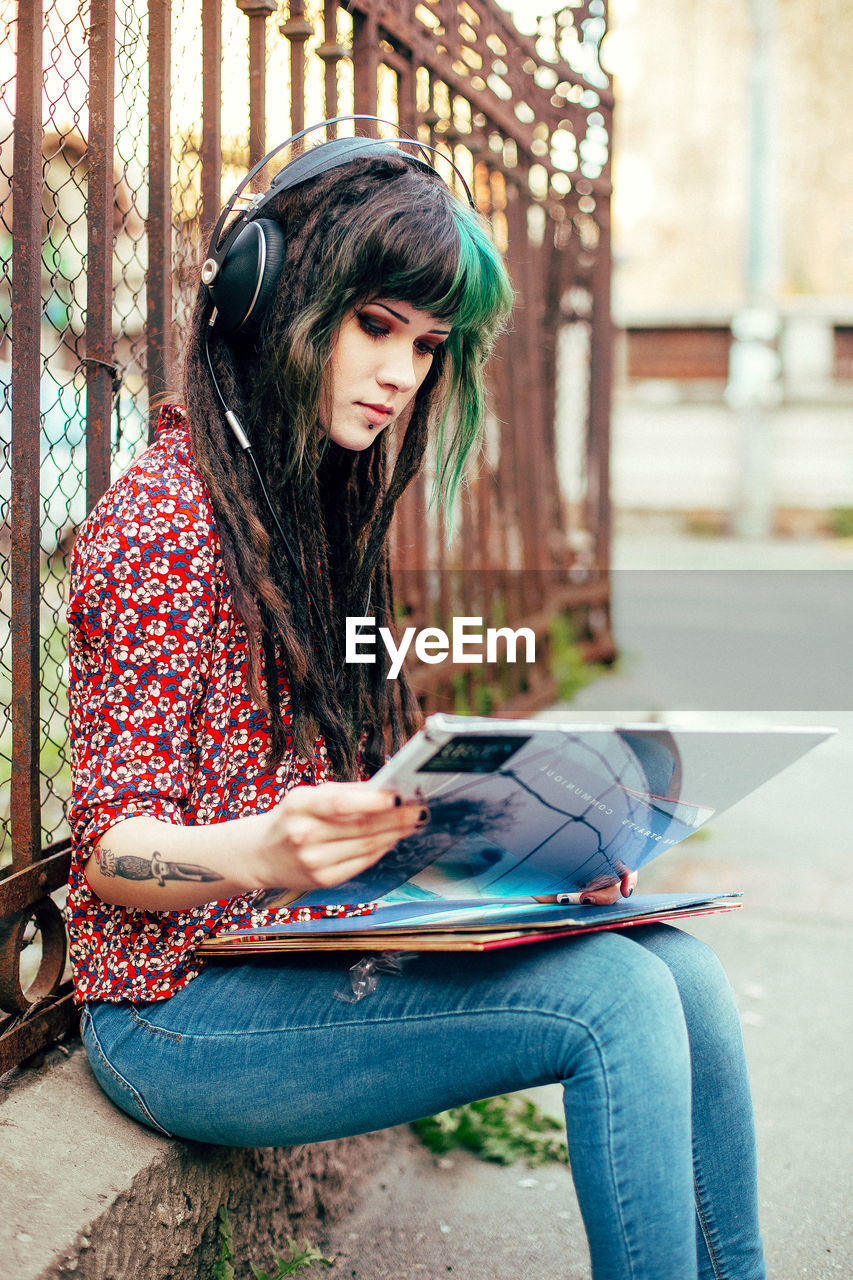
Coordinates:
(479, 303)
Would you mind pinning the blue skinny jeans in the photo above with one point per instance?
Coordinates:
(639, 1025)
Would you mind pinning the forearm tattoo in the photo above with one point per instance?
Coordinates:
(153, 868)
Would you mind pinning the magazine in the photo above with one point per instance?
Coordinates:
(476, 925)
(524, 816)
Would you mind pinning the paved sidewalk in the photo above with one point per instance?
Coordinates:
(789, 959)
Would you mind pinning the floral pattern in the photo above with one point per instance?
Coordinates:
(162, 723)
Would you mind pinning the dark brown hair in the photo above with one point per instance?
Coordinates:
(371, 228)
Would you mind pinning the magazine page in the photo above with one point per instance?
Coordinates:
(523, 808)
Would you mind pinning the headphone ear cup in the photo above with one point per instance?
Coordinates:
(248, 277)
(276, 245)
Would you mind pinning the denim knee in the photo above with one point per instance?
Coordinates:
(706, 994)
(634, 1020)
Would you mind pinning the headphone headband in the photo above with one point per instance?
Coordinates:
(310, 164)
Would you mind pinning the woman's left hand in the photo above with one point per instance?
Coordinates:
(603, 895)
(607, 894)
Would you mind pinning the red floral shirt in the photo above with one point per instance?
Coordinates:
(162, 723)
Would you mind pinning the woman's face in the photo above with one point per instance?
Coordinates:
(383, 352)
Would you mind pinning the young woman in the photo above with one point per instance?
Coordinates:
(219, 738)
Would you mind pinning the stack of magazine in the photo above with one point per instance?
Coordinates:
(524, 816)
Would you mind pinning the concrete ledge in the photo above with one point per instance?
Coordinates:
(88, 1192)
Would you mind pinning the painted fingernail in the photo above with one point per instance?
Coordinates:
(398, 800)
(587, 901)
(423, 817)
(630, 891)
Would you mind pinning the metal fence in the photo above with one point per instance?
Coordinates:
(123, 124)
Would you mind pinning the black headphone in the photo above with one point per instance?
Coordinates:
(242, 270)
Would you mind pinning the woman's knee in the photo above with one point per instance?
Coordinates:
(704, 989)
(632, 1013)
(695, 967)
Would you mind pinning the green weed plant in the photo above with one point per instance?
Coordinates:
(300, 1258)
(841, 522)
(502, 1130)
(570, 669)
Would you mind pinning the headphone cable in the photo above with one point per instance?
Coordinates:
(246, 445)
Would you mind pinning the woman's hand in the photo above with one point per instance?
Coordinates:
(602, 892)
(314, 838)
(317, 837)
(607, 894)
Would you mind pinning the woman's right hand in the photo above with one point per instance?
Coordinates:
(316, 837)
(320, 836)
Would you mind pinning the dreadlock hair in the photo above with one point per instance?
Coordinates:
(371, 228)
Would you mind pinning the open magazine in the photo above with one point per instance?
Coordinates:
(523, 817)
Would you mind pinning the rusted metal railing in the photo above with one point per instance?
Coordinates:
(131, 122)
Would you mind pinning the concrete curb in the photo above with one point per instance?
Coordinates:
(90, 1193)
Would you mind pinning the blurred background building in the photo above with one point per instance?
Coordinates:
(732, 215)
